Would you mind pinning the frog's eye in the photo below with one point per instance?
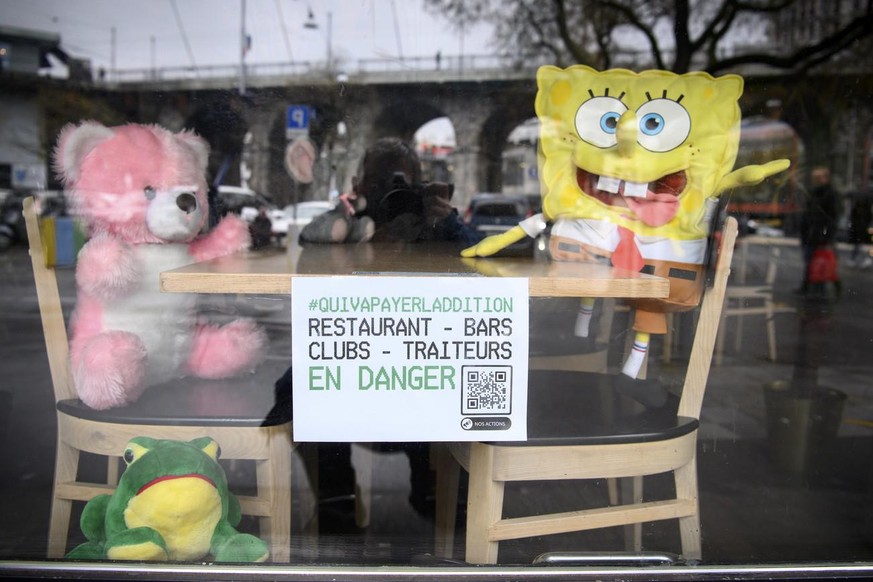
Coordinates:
(212, 449)
(133, 452)
(597, 120)
(664, 125)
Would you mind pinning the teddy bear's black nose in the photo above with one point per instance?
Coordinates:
(186, 202)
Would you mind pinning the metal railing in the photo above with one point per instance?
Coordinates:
(442, 66)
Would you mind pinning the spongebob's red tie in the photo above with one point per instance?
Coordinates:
(626, 254)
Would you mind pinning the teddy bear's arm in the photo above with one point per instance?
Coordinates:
(106, 267)
(229, 236)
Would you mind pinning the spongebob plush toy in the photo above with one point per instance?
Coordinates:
(631, 166)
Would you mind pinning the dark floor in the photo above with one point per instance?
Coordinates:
(753, 509)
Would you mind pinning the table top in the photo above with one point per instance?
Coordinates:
(781, 241)
(272, 271)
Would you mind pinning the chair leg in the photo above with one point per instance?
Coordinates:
(689, 527)
(738, 333)
(668, 339)
(771, 330)
(112, 470)
(719, 342)
(274, 480)
(66, 471)
(484, 505)
(612, 491)
(309, 456)
(362, 460)
(448, 474)
(632, 492)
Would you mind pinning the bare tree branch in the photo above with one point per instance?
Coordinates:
(632, 19)
(589, 31)
(561, 17)
(808, 56)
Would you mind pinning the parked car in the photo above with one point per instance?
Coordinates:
(491, 213)
(534, 202)
(243, 202)
(12, 228)
(299, 215)
(495, 213)
(246, 204)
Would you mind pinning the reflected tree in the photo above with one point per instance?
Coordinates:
(677, 35)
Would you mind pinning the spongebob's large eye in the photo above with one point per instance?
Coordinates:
(664, 125)
(597, 120)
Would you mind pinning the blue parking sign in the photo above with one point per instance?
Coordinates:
(297, 121)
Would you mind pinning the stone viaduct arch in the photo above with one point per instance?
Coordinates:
(827, 112)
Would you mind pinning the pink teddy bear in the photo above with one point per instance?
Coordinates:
(141, 192)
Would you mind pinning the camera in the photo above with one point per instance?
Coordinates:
(404, 198)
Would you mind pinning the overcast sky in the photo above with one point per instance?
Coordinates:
(207, 32)
(173, 33)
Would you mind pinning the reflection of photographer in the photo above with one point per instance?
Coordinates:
(389, 202)
(412, 211)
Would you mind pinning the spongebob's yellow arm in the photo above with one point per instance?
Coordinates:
(751, 175)
(531, 227)
(490, 245)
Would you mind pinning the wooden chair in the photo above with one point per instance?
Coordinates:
(748, 300)
(548, 352)
(244, 418)
(571, 437)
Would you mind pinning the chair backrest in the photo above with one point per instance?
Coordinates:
(772, 266)
(53, 325)
(707, 326)
(773, 257)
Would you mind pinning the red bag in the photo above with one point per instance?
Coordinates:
(823, 266)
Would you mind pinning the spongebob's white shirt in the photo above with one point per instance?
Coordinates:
(603, 234)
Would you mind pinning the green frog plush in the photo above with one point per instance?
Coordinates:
(171, 503)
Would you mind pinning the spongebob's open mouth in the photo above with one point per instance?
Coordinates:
(654, 203)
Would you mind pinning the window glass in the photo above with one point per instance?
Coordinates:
(170, 171)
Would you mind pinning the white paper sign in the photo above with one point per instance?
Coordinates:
(380, 359)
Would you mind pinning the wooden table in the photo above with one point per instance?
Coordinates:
(273, 271)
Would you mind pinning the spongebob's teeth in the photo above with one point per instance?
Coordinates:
(608, 184)
(636, 189)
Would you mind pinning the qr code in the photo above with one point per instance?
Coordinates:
(486, 389)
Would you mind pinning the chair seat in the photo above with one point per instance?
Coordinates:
(237, 402)
(580, 408)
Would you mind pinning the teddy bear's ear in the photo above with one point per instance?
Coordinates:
(74, 143)
(198, 145)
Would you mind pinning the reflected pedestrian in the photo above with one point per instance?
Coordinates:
(818, 226)
(261, 230)
(860, 217)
